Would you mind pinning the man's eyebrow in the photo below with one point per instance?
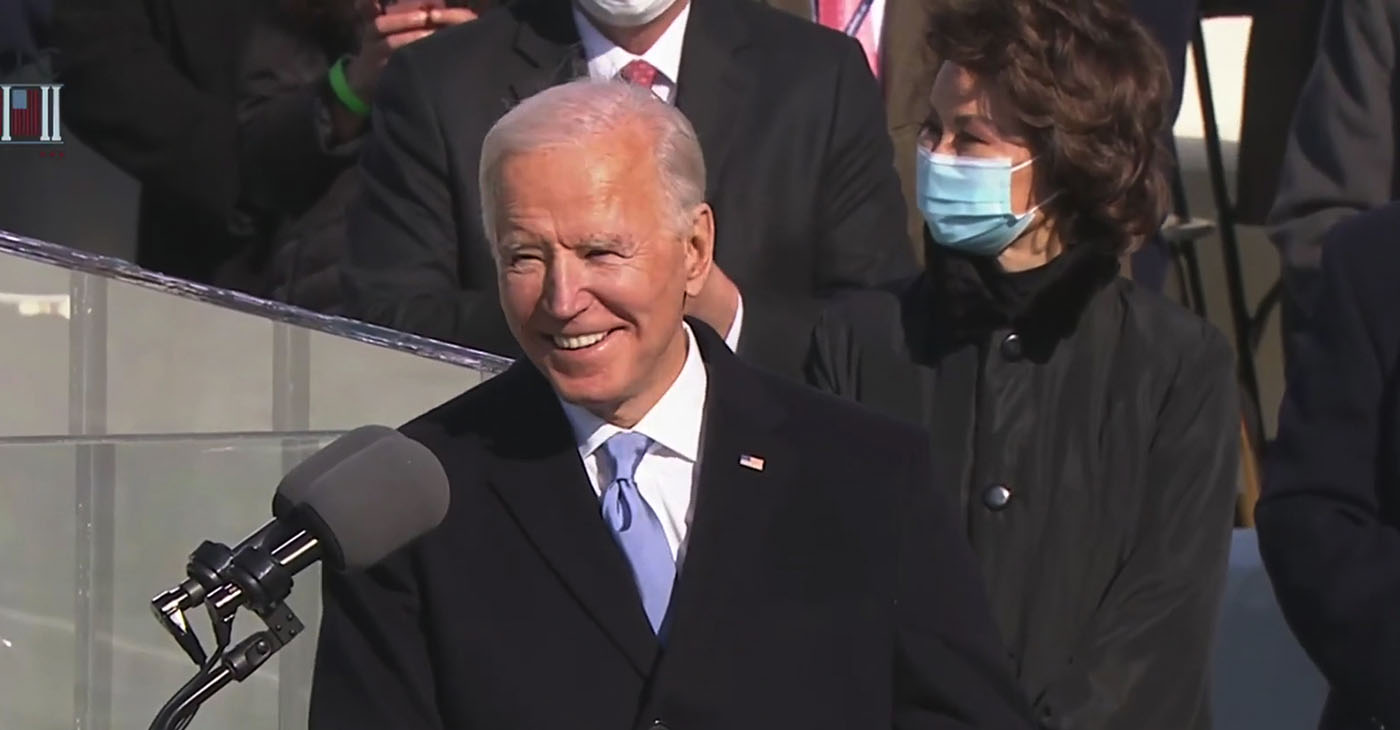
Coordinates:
(611, 240)
(517, 239)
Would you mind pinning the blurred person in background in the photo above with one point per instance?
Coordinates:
(1283, 44)
(1342, 155)
(892, 33)
(150, 85)
(1329, 513)
(307, 78)
(788, 114)
(1087, 427)
(25, 31)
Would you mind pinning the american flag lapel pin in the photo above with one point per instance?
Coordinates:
(751, 462)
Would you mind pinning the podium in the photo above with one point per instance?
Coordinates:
(140, 415)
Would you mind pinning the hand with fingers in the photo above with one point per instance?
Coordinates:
(395, 27)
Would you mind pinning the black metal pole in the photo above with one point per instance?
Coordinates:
(1230, 248)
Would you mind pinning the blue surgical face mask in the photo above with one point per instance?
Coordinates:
(966, 202)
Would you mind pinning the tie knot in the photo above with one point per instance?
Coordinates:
(639, 72)
(625, 450)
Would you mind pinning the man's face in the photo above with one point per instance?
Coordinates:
(594, 273)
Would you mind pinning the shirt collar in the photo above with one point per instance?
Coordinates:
(606, 59)
(673, 423)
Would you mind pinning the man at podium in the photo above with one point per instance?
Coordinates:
(645, 532)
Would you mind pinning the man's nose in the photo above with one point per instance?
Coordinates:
(564, 293)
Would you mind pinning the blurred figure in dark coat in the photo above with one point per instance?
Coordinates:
(149, 84)
(1329, 515)
(1342, 155)
(299, 141)
(25, 30)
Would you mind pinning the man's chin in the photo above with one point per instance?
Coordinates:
(605, 407)
(588, 391)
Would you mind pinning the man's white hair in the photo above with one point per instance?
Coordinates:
(571, 113)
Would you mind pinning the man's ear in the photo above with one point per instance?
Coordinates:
(699, 249)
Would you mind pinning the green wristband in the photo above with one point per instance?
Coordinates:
(341, 87)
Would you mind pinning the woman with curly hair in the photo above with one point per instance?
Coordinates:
(1085, 427)
(307, 78)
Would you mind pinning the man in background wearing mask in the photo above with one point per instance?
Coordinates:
(788, 113)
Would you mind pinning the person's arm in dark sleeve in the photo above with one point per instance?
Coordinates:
(126, 99)
(373, 668)
(1145, 663)
(862, 239)
(401, 267)
(288, 149)
(951, 669)
(1341, 152)
(1331, 553)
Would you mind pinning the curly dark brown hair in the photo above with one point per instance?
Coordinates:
(1092, 88)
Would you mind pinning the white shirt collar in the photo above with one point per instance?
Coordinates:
(673, 423)
(606, 59)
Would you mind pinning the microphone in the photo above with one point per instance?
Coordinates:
(350, 506)
(208, 563)
(352, 516)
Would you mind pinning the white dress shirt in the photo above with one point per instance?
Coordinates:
(606, 60)
(666, 473)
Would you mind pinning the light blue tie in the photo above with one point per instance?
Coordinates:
(637, 528)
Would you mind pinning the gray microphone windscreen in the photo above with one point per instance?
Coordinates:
(292, 490)
(375, 501)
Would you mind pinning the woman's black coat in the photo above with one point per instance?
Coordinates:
(1089, 431)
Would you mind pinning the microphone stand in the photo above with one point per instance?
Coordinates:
(237, 664)
(262, 581)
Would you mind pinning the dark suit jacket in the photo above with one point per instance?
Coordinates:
(907, 68)
(1341, 156)
(788, 114)
(150, 85)
(1283, 46)
(1087, 429)
(1329, 515)
(829, 591)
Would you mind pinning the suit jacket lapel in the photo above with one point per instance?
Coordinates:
(716, 78)
(547, 41)
(539, 477)
(735, 502)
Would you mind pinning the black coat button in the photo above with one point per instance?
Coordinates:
(1011, 348)
(659, 725)
(996, 497)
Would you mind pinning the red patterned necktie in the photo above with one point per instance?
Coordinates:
(838, 13)
(639, 72)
